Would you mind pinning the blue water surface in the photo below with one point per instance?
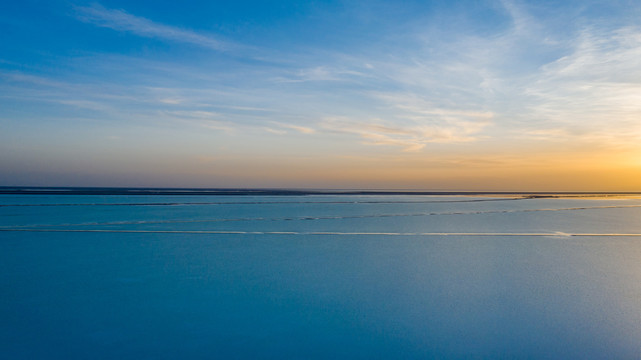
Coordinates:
(268, 277)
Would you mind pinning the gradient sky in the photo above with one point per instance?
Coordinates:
(440, 95)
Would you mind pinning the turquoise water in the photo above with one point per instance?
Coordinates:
(255, 277)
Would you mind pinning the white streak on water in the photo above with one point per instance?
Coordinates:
(232, 232)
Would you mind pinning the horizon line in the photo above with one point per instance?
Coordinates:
(274, 191)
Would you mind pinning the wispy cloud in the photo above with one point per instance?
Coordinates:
(207, 119)
(411, 137)
(374, 134)
(121, 20)
(24, 78)
(320, 73)
(521, 21)
(274, 131)
(594, 92)
(298, 128)
(582, 87)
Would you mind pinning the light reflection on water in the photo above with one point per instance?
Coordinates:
(159, 295)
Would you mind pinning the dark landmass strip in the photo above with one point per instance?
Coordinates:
(17, 190)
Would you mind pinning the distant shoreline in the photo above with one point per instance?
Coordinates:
(29, 190)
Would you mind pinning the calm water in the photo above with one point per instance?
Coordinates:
(256, 277)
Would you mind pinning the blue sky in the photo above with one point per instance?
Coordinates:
(516, 95)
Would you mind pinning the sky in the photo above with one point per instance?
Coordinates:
(496, 95)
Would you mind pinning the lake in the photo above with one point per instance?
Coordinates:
(319, 276)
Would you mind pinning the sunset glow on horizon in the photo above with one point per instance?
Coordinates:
(495, 95)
